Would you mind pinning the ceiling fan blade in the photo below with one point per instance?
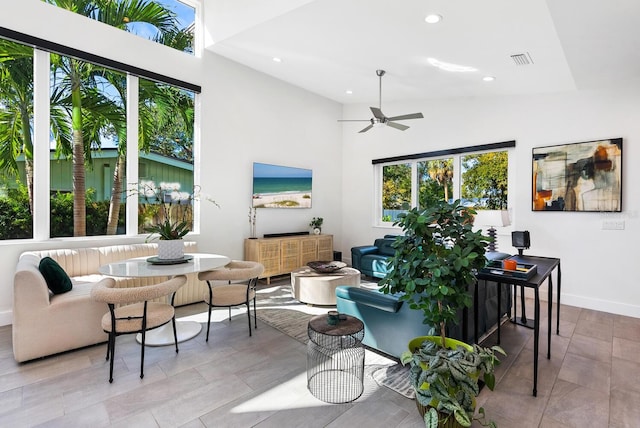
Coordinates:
(399, 126)
(407, 116)
(366, 129)
(354, 120)
(377, 113)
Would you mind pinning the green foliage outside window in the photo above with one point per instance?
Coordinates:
(485, 179)
(16, 220)
(396, 187)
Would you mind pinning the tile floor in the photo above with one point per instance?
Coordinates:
(592, 380)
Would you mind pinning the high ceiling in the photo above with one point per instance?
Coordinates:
(331, 46)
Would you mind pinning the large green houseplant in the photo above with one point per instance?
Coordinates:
(433, 266)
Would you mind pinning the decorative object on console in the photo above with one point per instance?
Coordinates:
(492, 218)
(252, 223)
(379, 119)
(326, 267)
(316, 224)
(276, 186)
(521, 240)
(583, 176)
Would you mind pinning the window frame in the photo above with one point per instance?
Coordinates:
(41, 123)
(414, 159)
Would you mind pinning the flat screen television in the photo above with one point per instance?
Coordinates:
(276, 186)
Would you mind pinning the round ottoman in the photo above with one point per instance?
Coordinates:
(317, 288)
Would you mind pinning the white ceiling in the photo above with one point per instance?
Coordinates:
(329, 46)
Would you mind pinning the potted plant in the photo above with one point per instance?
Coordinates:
(167, 216)
(433, 266)
(316, 225)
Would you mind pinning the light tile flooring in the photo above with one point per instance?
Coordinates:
(592, 380)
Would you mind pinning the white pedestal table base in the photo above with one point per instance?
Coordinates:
(163, 336)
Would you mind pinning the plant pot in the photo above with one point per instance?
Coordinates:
(170, 249)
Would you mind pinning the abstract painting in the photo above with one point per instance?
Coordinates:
(583, 176)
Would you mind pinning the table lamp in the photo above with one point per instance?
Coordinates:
(492, 218)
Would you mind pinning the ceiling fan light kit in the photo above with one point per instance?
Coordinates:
(379, 119)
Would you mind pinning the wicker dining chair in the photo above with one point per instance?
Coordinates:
(232, 293)
(131, 311)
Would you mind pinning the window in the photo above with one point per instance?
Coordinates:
(396, 190)
(435, 181)
(168, 22)
(166, 115)
(478, 178)
(82, 137)
(485, 181)
(88, 116)
(16, 140)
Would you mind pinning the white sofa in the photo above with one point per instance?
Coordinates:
(46, 324)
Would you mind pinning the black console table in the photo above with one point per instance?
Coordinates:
(545, 267)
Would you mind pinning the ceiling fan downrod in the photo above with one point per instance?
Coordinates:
(380, 73)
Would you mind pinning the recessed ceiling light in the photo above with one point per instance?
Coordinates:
(447, 66)
(276, 59)
(433, 18)
(488, 78)
(348, 92)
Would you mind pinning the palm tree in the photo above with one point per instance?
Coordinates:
(16, 100)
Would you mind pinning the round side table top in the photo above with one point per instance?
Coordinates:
(350, 325)
(307, 271)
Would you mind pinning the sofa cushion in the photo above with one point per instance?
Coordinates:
(57, 279)
(368, 297)
(384, 246)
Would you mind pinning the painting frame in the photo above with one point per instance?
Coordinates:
(578, 177)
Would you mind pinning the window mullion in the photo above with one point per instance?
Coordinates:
(132, 155)
(41, 142)
(415, 192)
(457, 176)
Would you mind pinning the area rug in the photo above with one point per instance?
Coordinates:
(395, 377)
(277, 308)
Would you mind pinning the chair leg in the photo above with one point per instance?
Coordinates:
(111, 349)
(209, 323)
(209, 303)
(144, 333)
(249, 316)
(255, 314)
(142, 355)
(175, 333)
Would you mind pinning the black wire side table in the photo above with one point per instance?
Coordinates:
(335, 359)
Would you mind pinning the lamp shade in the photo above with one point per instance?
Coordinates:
(492, 218)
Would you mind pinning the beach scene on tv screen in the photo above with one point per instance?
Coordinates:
(276, 186)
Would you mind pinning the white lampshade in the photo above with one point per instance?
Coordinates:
(492, 218)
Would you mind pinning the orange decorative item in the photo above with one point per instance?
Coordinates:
(509, 265)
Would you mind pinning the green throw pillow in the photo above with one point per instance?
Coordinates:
(57, 279)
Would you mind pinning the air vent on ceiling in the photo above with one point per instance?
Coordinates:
(522, 59)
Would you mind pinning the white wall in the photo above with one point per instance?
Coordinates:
(596, 264)
(246, 117)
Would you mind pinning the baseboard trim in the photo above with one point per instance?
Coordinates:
(6, 318)
(599, 305)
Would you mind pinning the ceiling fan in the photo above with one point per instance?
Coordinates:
(379, 119)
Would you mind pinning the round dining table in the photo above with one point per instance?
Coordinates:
(148, 267)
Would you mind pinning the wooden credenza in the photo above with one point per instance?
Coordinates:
(282, 255)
